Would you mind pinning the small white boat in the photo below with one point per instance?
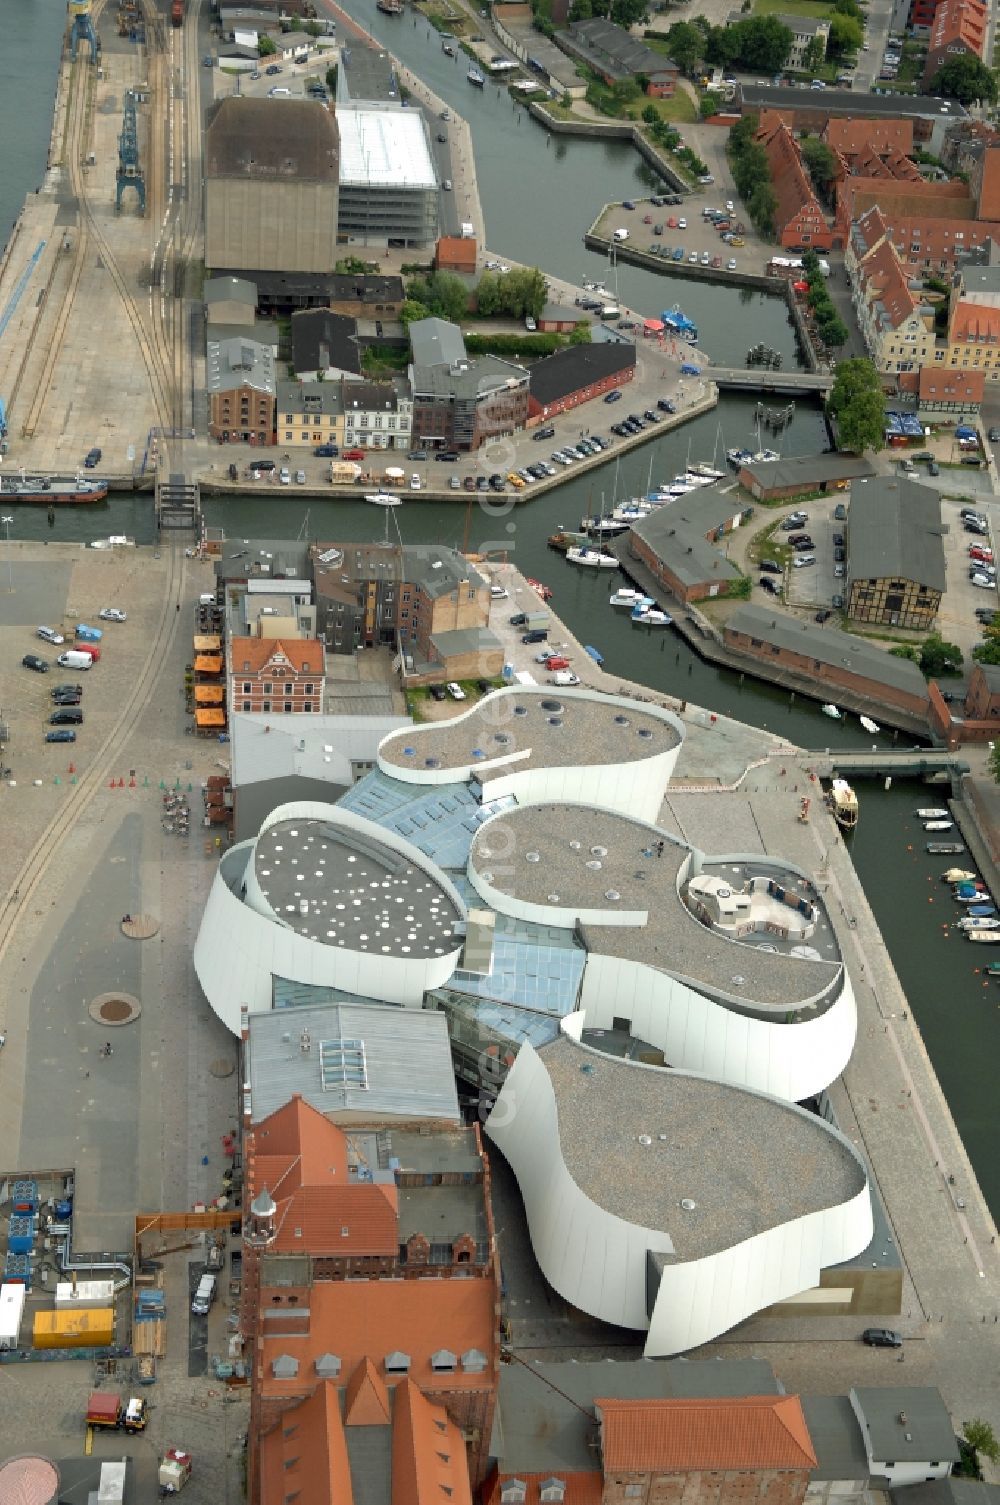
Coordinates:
(766, 454)
(938, 825)
(982, 935)
(383, 499)
(869, 725)
(832, 712)
(592, 558)
(700, 468)
(651, 616)
(477, 79)
(628, 597)
(930, 813)
(978, 922)
(957, 875)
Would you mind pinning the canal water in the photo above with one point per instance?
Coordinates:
(957, 1009)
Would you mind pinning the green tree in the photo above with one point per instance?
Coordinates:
(266, 46)
(580, 334)
(849, 8)
(649, 115)
(936, 658)
(626, 13)
(814, 54)
(708, 105)
(750, 169)
(331, 80)
(686, 43)
(966, 79)
(442, 294)
(821, 162)
(487, 294)
(858, 404)
(762, 207)
(846, 35)
(978, 1433)
(833, 331)
(410, 311)
(810, 261)
(988, 652)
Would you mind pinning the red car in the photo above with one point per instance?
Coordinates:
(353, 454)
(647, 219)
(557, 663)
(672, 222)
(978, 552)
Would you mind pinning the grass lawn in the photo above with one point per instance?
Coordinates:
(819, 10)
(678, 111)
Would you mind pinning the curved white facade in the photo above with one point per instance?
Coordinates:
(242, 944)
(793, 1060)
(598, 1262)
(632, 784)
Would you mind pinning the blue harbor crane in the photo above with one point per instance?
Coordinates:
(82, 29)
(129, 173)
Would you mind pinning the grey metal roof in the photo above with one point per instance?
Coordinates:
(950, 1491)
(980, 279)
(895, 532)
(281, 558)
(699, 1130)
(801, 469)
(369, 1452)
(407, 1058)
(310, 396)
(322, 340)
(545, 1412)
(991, 674)
(836, 1437)
(843, 102)
(310, 747)
(617, 45)
(295, 140)
(840, 650)
(678, 533)
(237, 363)
(366, 73)
(340, 887)
(906, 1423)
(467, 378)
(436, 342)
(227, 289)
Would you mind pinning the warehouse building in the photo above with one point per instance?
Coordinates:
(388, 183)
(897, 574)
(272, 168)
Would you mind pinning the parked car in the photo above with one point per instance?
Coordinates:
(63, 735)
(547, 431)
(455, 690)
(446, 456)
(326, 451)
(993, 434)
(538, 636)
(767, 584)
(437, 692)
(49, 635)
(614, 396)
(823, 616)
(794, 520)
(770, 566)
(112, 614)
(983, 581)
(93, 457)
(881, 1337)
(353, 454)
(986, 615)
(32, 661)
(803, 561)
(66, 716)
(66, 697)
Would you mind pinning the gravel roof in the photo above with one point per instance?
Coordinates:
(672, 939)
(554, 728)
(748, 1162)
(360, 894)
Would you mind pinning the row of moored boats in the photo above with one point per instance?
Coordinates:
(980, 922)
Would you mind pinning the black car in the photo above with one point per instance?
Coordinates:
(666, 406)
(614, 396)
(63, 735)
(272, 69)
(441, 136)
(770, 566)
(838, 540)
(326, 451)
(803, 545)
(839, 556)
(980, 528)
(32, 661)
(540, 635)
(438, 692)
(650, 416)
(67, 697)
(66, 718)
(546, 432)
(482, 483)
(519, 619)
(881, 1337)
(496, 481)
(447, 456)
(985, 615)
(66, 690)
(767, 584)
(93, 457)
(837, 603)
(994, 435)
(485, 687)
(823, 616)
(596, 439)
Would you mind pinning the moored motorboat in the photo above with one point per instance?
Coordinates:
(592, 558)
(477, 79)
(545, 591)
(931, 812)
(982, 911)
(593, 653)
(982, 935)
(447, 49)
(957, 875)
(843, 804)
(628, 597)
(992, 969)
(944, 848)
(938, 825)
(562, 540)
(701, 468)
(869, 725)
(738, 457)
(978, 922)
(832, 712)
(651, 616)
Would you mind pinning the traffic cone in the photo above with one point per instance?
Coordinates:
(111, 785)
(121, 783)
(162, 784)
(57, 780)
(131, 783)
(71, 768)
(145, 781)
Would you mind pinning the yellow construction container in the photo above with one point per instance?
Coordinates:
(92, 1327)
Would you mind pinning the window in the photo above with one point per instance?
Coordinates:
(288, 688)
(309, 689)
(288, 707)
(308, 706)
(289, 435)
(266, 706)
(246, 688)
(267, 689)
(248, 705)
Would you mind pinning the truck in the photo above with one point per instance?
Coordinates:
(105, 1409)
(174, 1471)
(177, 13)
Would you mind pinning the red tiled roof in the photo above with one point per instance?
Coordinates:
(580, 1489)
(884, 280)
(304, 654)
(988, 201)
(849, 136)
(748, 1432)
(796, 203)
(974, 322)
(959, 25)
(360, 1320)
(428, 1452)
(313, 1460)
(366, 1403)
(935, 384)
(301, 1158)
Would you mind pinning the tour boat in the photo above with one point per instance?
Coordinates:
(52, 490)
(931, 813)
(679, 325)
(383, 499)
(944, 848)
(957, 875)
(476, 78)
(832, 712)
(869, 725)
(938, 825)
(592, 558)
(843, 803)
(978, 922)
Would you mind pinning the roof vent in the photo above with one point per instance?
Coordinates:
(397, 1363)
(621, 721)
(327, 1366)
(486, 877)
(532, 857)
(574, 846)
(443, 1360)
(594, 865)
(688, 1205)
(598, 851)
(902, 1418)
(501, 737)
(552, 898)
(738, 980)
(550, 705)
(409, 752)
(520, 710)
(432, 762)
(555, 721)
(645, 1140)
(644, 733)
(612, 894)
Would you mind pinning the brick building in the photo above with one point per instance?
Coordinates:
(928, 235)
(973, 338)
(370, 1297)
(285, 676)
(943, 394)
(240, 383)
(798, 218)
(456, 253)
(811, 109)
(678, 544)
(982, 702)
(577, 374)
(896, 574)
(958, 28)
(897, 325)
(851, 137)
(826, 660)
(460, 402)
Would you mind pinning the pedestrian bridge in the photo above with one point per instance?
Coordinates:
(764, 380)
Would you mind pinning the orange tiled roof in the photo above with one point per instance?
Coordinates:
(302, 1160)
(359, 1321)
(884, 280)
(957, 24)
(312, 1461)
(428, 1452)
(973, 323)
(366, 1403)
(988, 203)
(796, 201)
(950, 386)
(304, 654)
(581, 1489)
(850, 136)
(748, 1432)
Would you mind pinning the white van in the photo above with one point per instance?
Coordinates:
(203, 1296)
(72, 659)
(278, 92)
(415, 482)
(621, 234)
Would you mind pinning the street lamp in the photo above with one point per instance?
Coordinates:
(7, 521)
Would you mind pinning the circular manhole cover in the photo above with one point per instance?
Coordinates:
(114, 1009)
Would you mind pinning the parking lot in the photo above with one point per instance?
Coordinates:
(819, 584)
(682, 235)
(958, 622)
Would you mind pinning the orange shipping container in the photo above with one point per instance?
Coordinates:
(91, 1327)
